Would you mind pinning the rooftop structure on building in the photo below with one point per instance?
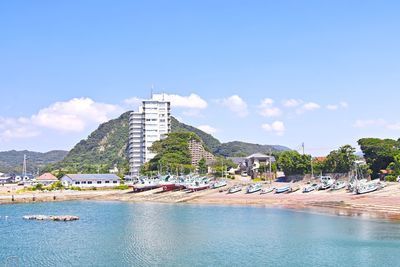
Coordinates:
(151, 123)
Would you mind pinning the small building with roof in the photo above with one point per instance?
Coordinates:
(46, 179)
(90, 180)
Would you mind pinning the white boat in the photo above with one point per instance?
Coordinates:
(200, 184)
(219, 184)
(310, 188)
(267, 190)
(146, 184)
(326, 183)
(253, 188)
(283, 189)
(366, 188)
(338, 185)
(235, 189)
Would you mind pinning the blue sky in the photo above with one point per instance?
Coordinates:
(273, 72)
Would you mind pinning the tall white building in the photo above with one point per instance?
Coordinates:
(152, 122)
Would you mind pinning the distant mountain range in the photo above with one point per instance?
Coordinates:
(11, 161)
(108, 146)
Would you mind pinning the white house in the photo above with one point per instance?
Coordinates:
(90, 180)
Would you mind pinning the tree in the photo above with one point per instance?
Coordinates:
(172, 153)
(292, 162)
(202, 166)
(395, 165)
(341, 160)
(379, 153)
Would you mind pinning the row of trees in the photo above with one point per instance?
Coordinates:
(382, 154)
(338, 161)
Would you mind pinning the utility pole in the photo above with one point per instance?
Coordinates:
(302, 145)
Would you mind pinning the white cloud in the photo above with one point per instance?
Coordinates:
(271, 112)
(277, 127)
(74, 115)
(207, 128)
(266, 102)
(192, 101)
(291, 103)
(20, 128)
(267, 109)
(332, 107)
(236, 104)
(133, 102)
(310, 106)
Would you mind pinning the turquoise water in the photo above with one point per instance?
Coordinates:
(127, 234)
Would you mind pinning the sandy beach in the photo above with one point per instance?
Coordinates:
(384, 204)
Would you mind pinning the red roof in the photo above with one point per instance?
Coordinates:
(47, 177)
(321, 159)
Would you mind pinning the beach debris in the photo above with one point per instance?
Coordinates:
(63, 218)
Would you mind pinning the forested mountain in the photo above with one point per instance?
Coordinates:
(11, 161)
(211, 142)
(105, 147)
(108, 146)
(242, 149)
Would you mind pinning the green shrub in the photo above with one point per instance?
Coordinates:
(391, 178)
(56, 186)
(37, 187)
(121, 187)
(75, 188)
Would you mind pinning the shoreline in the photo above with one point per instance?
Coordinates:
(383, 204)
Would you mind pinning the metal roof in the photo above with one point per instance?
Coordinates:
(85, 177)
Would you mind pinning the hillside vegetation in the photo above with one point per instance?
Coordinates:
(108, 146)
(11, 161)
(105, 147)
(242, 149)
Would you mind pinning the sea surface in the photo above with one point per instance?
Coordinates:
(129, 234)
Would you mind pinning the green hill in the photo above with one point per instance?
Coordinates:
(11, 161)
(211, 142)
(108, 145)
(105, 147)
(241, 149)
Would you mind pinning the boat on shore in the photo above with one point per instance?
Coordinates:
(145, 184)
(234, 189)
(253, 188)
(219, 184)
(310, 188)
(199, 184)
(282, 190)
(326, 183)
(338, 185)
(267, 190)
(366, 188)
(294, 189)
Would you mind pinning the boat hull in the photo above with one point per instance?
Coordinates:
(282, 190)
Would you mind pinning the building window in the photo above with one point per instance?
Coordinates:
(98, 182)
(107, 182)
(115, 182)
(89, 182)
(77, 183)
(83, 182)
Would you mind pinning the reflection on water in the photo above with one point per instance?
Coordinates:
(125, 234)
